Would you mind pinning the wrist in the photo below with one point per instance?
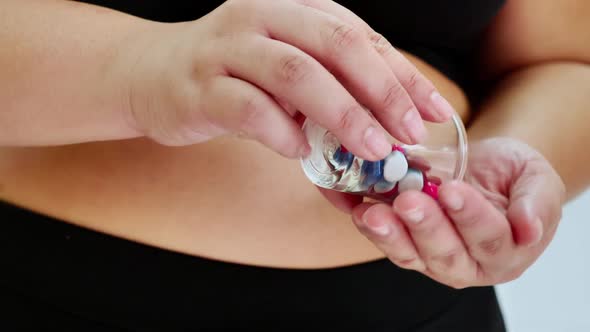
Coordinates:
(123, 75)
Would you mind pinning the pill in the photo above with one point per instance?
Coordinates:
(395, 166)
(431, 190)
(396, 147)
(384, 186)
(414, 180)
(342, 157)
(372, 172)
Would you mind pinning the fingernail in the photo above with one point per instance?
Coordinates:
(538, 225)
(442, 107)
(414, 126)
(377, 226)
(376, 142)
(453, 200)
(414, 215)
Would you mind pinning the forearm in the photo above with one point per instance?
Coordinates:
(548, 107)
(56, 81)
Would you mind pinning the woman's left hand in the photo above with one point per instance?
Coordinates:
(484, 231)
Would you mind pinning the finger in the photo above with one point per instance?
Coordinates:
(380, 225)
(235, 106)
(435, 238)
(485, 230)
(431, 105)
(286, 106)
(342, 201)
(299, 118)
(347, 52)
(298, 79)
(535, 205)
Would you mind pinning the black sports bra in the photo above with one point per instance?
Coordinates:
(441, 32)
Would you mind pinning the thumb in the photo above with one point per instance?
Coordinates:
(527, 226)
(534, 202)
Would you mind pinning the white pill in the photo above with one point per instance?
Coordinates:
(412, 181)
(395, 166)
(383, 186)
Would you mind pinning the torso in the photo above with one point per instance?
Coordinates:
(195, 199)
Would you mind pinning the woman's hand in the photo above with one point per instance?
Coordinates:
(486, 230)
(250, 64)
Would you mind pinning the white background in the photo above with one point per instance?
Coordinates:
(554, 294)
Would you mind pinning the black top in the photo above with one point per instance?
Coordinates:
(60, 277)
(442, 33)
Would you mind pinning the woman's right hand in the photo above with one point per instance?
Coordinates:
(250, 65)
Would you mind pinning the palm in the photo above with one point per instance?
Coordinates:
(495, 165)
(485, 230)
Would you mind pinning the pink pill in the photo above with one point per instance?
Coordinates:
(396, 147)
(431, 190)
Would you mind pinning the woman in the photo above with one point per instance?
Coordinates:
(144, 163)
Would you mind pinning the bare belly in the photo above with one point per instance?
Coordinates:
(228, 199)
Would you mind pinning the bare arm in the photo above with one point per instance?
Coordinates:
(80, 73)
(56, 86)
(539, 50)
(548, 107)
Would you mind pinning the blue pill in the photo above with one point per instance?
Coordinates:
(372, 172)
(343, 158)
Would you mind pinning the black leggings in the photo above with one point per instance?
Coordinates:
(55, 276)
